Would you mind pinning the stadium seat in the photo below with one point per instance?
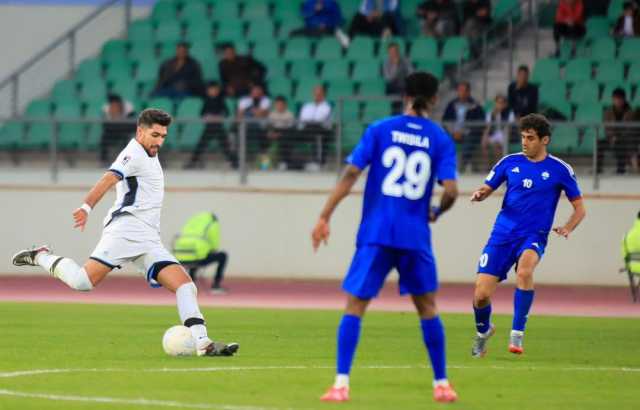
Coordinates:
(64, 90)
(146, 88)
(140, 30)
(161, 103)
(119, 71)
(564, 139)
(303, 69)
(114, 50)
(304, 90)
(586, 91)
(376, 110)
(597, 27)
(550, 92)
(434, 67)
(340, 88)
(350, 110)
(147, 70)
(297, 49)
(93, 110)
(89, 69)
(209, 66)
(634, 74)
(372, 88)
(629, 50)
(615, 10)
(167, 50)
(361, 48)
(190, 107)
(328, 49)
(202, 50)
(38, 109)
(69, 133)
(366, 70)
(578, 70)
(505, 9)
(194, 11)
(126, 89)
(280, 86)
(93, 91)
(164, 11)
(610, 71)
(190, 136)
(590, 112)
(635, 102)
(609, 87)
(335, 69)
(38, 136)
(603, 49)
(229, 31)
(261, 30)
(276, 68)
(351, 134)
(11, 135)
(169, 31)
(546, 69)
(93, 137)
(226, 10)
(268, 50)
(424, 48)
(455, 49)
(286, 26)
(256, 11)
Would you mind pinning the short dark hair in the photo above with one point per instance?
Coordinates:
(184, 44)
(114, 98)
(537, 122)
(281, 98)
(393, 44)
(422, 87)
(465, 83)
(213, 83)
(620, 93)
(627, 5)
(152, 116)
(524, 68)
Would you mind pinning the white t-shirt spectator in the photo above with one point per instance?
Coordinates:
(247, 102)
(316, 112)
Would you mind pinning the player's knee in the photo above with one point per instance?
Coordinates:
(524, 273)
(481, 297)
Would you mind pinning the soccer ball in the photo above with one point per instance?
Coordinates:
(178, 341)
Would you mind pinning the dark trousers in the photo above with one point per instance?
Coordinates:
(574, 32)
(214, 131)
(374, 28)
(214, 257)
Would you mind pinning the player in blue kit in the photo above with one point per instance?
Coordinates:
(405, 155)
(535, 180)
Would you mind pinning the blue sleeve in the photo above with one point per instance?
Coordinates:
(446, 168)
(363, 152)
(497, 175)
(569, 184)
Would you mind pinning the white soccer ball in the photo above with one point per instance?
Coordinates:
(178, 341)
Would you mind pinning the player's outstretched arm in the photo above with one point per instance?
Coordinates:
(481, 193)
(447, 200)
(576, 217)
(80, 215)
(342, 189)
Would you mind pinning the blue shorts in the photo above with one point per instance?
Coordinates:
(497, 259)
(372, 263)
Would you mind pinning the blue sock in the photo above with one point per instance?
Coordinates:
(483, 318)
(522, 300)
(348, 335)
(433, 337)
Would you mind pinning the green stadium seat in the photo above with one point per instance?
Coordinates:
(276, 68)
(372, 88)
(455, 49)
(190, 136)
(140, 30)
(167, 50)
(603, 49)
(114, 50)
(609, 87)
(586, 91)
(351, 134)
(350, 110)
(304, 89)
(280, 86)
(146, 88)
(268, 50)
(589, 112)
(564, 139)
(226, 10)
(119, 71)
(147, 70)
(505, 9)
(38, 109)
(261, 30)
(190, 108)
(615, 10)
(634, 73)
(93, 91)
(209, 66)
(161, 103)
(38, 136)
(203, 50)
(93, 110)
(164, 11)
(340, 88)
(578, 70)
(169, 31)
(361, 48)
(89, 69)
(597, 27)
(424, 48)
(335, 69)
(70, 133)
(587, 142)
(629, 50)
(199, 29)
(365, 70)
(126, 89)
(376, 110)
(550, 92)
(546, 69)
(286, 26)
(11, 135)
(93, 137)
(434, 67)
(610, 71)
(635, 102)
(303, 69)
(64, 90)
(229, 31)
(194, 11)
(297, 49)
(257, 11)
(328, 48)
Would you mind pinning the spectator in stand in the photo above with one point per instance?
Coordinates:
(377, 18)
(428, 16)
(315, 123)
(470, 9)
(622, 141)
(396, 69)
(321, 18)
(523, 96)
(628, 24)
(214, 111)
(281, 122)
(569, 21)
(445, 14)
(496, 134)
(458, 113)
(477, 23)
(118, 128)
(255, 106)
(238, 73)
(180, 76)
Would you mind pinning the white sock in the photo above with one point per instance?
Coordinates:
(65, 269)
(187, 298)
(441, 382)
(342, 380)
(517, 333)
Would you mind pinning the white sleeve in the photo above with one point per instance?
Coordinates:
(304, 113)
(265, 103)
(125, 165)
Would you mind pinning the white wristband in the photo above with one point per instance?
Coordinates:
(86, 208)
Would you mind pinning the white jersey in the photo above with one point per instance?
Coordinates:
(141, 188)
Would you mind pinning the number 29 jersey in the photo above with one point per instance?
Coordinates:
(405, 155)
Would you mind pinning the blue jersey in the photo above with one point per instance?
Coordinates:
(405, 154)
(533, 191)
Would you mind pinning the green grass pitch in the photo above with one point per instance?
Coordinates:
(110, 357)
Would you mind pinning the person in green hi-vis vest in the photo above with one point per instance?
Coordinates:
(198, 245)
(631, 255)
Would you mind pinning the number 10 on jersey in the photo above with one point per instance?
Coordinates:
(416, 169)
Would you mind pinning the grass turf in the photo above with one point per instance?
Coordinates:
(570, 363)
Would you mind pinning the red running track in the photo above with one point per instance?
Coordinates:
(320, 294)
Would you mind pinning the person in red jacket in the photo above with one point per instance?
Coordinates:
(569, 21)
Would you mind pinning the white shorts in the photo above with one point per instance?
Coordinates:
(128, 239)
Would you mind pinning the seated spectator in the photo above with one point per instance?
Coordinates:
(117, 128)
(569, 21)
(214, 111)
(396, 68)
(321, 18)
(477, 24)
(441, 16)
(180, 76)
(377, 18)
(238, 73)
(280, 123)
(622, 141)
(523, 96)
(471, 7)
(496, 135)
(315, 123)
(459, 111)
(255, 106)
(628, 25)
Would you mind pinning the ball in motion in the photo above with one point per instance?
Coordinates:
(178, 341)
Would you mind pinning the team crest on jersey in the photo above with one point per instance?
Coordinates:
(516, 170)
(545, 175)
(125, 160)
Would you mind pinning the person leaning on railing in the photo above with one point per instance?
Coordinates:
(118, 126)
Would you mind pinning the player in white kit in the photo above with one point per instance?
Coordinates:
(132, 231)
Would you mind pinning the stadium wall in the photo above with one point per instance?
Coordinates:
(266, 232)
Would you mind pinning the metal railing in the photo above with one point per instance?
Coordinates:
(58, 59)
